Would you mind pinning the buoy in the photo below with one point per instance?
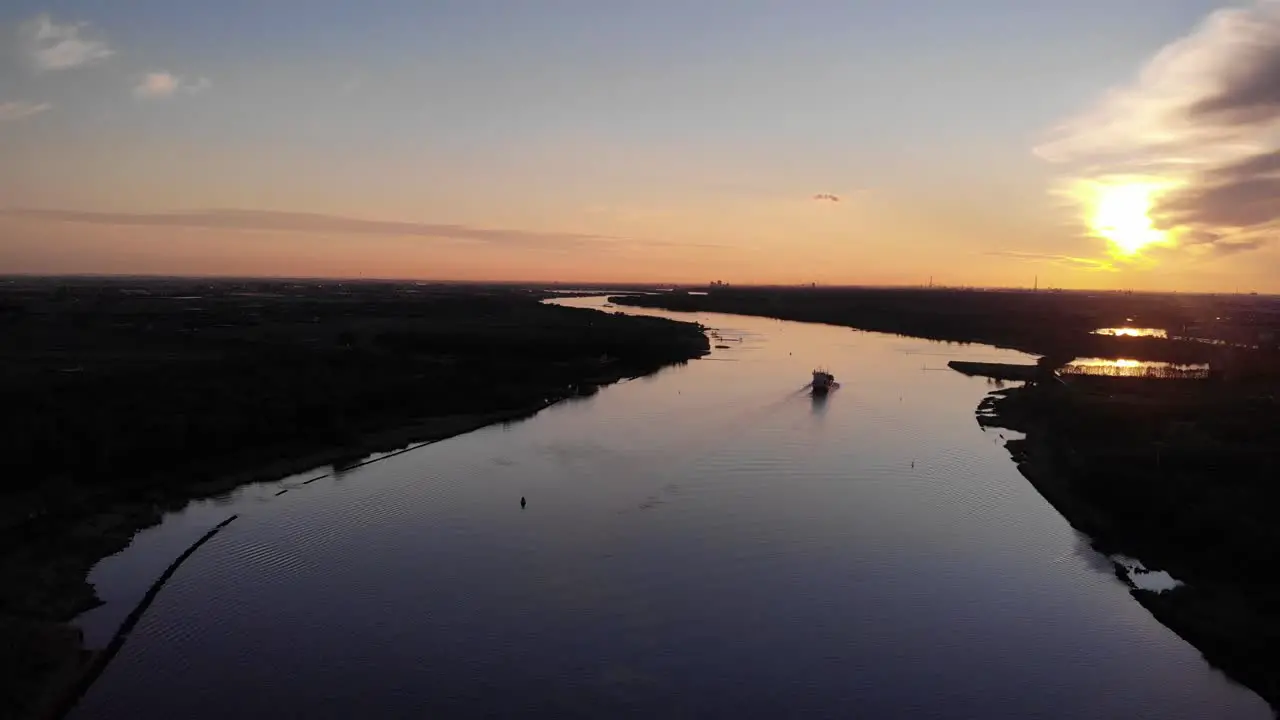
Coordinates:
(521, 501)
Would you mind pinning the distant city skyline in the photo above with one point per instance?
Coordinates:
(1087, 145)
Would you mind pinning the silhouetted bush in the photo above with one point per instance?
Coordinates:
(108, 390)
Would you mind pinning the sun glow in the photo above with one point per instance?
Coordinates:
(1120, 212)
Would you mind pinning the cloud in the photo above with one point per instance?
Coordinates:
(826, 196)
(315, 223)
(50, 46)
(163, 84)
(1064, 260)
(267, 220)
(18, 109)
(1202, 122)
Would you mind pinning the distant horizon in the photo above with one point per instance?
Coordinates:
(592, 285)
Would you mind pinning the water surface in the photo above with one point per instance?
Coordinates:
(1133, 332)
(1123, 367)
(706, 542)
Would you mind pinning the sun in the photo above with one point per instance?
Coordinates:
(1120, 212)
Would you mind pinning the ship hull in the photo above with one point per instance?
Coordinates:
(823, 382)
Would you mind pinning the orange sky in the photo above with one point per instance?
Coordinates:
(668, 146)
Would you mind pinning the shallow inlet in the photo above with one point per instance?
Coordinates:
(1133, 332)
(710, 541)
(1123, 367)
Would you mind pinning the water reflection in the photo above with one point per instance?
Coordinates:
(1133, 332)
(1083, 549)
(818, 403)
(1144, 578)
(696, 545)
(1124, 367)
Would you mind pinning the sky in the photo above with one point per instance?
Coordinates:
(1094, 144)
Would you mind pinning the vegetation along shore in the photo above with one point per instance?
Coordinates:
(126, 399)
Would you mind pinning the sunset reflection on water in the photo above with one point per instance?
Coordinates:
(1133, 332)
(1125, 367)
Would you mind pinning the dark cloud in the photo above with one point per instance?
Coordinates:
(1201, 237)
(1249, 87)
(1215, 243)
(1235, 245)
(1267, 163)
(1246, 202)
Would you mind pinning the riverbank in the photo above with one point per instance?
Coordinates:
(1058, 325)
(44, 660)
(1004, 372)
(721, 465)
(50, 656)
(126, 401)
(1174, 472)
(1128, 470)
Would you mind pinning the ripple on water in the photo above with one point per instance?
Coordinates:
(709, 542)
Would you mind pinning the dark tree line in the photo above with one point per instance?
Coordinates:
(104, 391)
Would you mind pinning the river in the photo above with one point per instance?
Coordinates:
(709, 541)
